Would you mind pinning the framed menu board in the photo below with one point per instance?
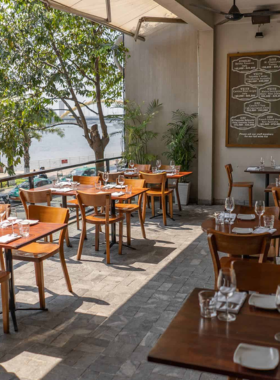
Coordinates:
(253, 100)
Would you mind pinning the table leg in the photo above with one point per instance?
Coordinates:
(266, 194)
(64, 205)
(12, 304)
(113, 226)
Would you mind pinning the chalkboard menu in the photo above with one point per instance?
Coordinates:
(253, 100)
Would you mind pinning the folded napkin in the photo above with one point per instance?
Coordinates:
(61, 190)
(31, 221)
(129, 173)
(262, 230)
(245, 231)
(120, 187)
(6, 223)
(170, 174)
(254, 168)
(117, 194)
(232, 216)
(235, 302)
(277, 167)
(246, 216)
(109, 186)
(8, 238)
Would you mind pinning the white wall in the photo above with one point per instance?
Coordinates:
(234, 38)
(165, 68)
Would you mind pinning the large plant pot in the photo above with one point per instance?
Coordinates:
(184, 193)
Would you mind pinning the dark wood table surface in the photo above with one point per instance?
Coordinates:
(266, 171)
(37, 231)
(210, 222)
(208, 345)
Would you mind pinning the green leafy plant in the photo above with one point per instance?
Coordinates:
(136, 132)
(181, 139)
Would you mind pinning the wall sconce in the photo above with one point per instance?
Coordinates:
(259, 34)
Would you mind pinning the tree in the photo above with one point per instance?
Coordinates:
(23, 119)
(60, 56)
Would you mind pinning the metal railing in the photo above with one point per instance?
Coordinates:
(31, 175)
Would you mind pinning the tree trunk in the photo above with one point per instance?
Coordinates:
(26, 157)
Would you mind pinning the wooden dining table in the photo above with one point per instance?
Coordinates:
(208, 345)
(37, 232)
(90, 189)
(209, 223)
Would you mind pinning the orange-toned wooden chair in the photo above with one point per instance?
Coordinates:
(4, 281)
(129, 208)
(236, 246)
(175, 183)
(232, 184)
(37, 252)
(113, 177)
(102, 200)
(157, 192)
(4, 208)
(73, 203)
(143, 167)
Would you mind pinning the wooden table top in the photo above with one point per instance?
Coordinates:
(91, 190)
(209, 344)
(210, 222)
(37, 231)
(266, 170)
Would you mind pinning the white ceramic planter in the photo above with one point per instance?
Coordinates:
(184, 193)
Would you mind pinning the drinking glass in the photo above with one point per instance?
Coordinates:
(105, 178)
(24, 227)
(262, 163)
(226, 285)
(277, 302)
(277, 182)
(59, 175)
(121, 179)
(172, 165)
(272, 162)
(229, 206)
(98, 185)
(259, 210)
(129, 189)
(12, 218)
(158, 164)
(268, 221)
(220, 218)
(154, 169)
(207, 303)
(131, 164)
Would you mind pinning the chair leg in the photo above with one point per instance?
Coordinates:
(40, 278)
(64, 269)
(121, 236)
(78, 218)
(141, 223)
(128, 228)
(37, 283)
(153, 205)
(97, 237)
(2, 261)
(67, 238)
(81, 243)
(171, 205)
(178, 197)
(107, 237)
(144, 206)
(250, 196)
(5, 305)
(164, 211)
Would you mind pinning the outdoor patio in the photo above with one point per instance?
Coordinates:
(106, 328)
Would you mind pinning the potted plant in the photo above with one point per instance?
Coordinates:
(181, 141)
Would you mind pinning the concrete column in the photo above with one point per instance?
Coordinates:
(205, 116)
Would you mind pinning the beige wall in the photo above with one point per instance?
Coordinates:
(233, 38)
(165, 68)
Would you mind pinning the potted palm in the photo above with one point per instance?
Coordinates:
(181, 141)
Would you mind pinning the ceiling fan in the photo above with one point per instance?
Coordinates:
(235, 15)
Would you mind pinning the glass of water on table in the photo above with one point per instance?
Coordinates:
(229, 206)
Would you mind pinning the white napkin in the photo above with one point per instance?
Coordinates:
(245, 231)
(61, 190)
(120, 187)
(170, 174)
(253, 168)
(6, 223)
(246, 216)
(31, 221)
(8, 238)
(109, 186)
(232, 217)
(235, 302)
(277, 167)
(129, 173)
(262, 230)
(117, 194)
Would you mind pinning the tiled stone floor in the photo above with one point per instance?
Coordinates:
(105, 329)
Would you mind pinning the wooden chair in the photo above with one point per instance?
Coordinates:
(129, 208)
(276, 196)
(143, 167)
(4, 281)
(175, 183)
(236, 246)
(102, 200)
(7, 209)
(162, 193)
(232, 184)
(251, 276)
(113, 177)
(73, 203)
(38, 252)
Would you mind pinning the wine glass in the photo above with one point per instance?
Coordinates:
(121, 180)
(277, 302)
(172, 165)
(229, 206)
(158, 164)
(105, 178)
(131, 164)
(226, 285)
(259, 210)
(12, 218)
(262, 163)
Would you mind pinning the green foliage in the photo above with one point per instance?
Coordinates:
(181, 139)
(137, 135)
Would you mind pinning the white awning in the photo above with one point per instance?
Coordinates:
(122, 15)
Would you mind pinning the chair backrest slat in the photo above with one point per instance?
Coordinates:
(250, 276)
(276, 196)
(94, 200)
(154, 179)
(34, 197)
(86, 180)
